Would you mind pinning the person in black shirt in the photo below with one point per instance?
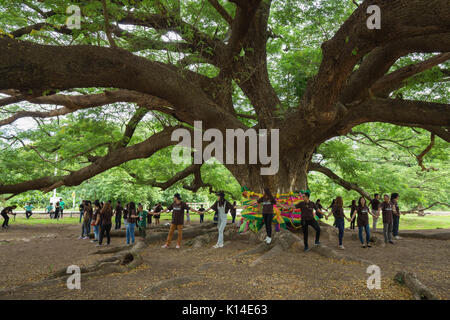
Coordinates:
(118, 212)
(4, 213)
(352, 210)
(233, 212)
(307, 209)
(202, 214)
(81, 209)
(57, 210)
(395, 215)
(386, 209)
(157, 213)
(319, 206)
(339, 215)
(267, 201)
(363, 221)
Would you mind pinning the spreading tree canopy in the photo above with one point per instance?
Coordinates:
(111, 92)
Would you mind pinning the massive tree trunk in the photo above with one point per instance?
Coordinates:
(291, 175)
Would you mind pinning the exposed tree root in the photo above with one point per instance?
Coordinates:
(122, 262)
(110, 250)
(273, 252)
(288, 241)
(419, 290)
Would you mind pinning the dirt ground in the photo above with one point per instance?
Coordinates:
(30, 253)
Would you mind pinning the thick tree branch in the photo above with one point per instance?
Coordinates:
(397, 79)
(396, 111)
(424, 152)
(330, 174)
(221, 10)
(114, 158)
(131, 127)
(354, 40)
(24, 65)
(167, 184)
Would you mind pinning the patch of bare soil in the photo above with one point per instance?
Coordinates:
(207, 273)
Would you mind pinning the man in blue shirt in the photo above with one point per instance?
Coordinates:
(28, 210)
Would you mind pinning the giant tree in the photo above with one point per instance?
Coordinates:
(213, 61)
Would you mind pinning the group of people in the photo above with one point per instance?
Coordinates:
(99, 216)
(56, 211)
(360, 213)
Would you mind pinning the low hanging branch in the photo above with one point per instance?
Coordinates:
(421, 211)
(424, 152)
(114, 158)
(346, 184)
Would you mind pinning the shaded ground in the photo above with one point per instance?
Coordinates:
(30, 253)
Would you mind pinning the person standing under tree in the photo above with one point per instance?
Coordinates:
(106, 214)
(57, 210)
(4, 214)
(178, 208)
(221, 208)
(50, 210)
(352, 211)
(96, 220)
(29, 210)
(157, 213)
(307, 208)
(339, 216)
(142, 220)
(386, 209)
(267, 201)
(131, 222)
(319, 206)
(201, 213)
(118, 212)
(87, 215)
(62, 204)
(375, 206)
(395, 216)
(233, 212)
(363, 221)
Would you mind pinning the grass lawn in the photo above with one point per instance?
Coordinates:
(407, 222)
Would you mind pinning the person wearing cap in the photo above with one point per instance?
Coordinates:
(221, 207)
(178, 208)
